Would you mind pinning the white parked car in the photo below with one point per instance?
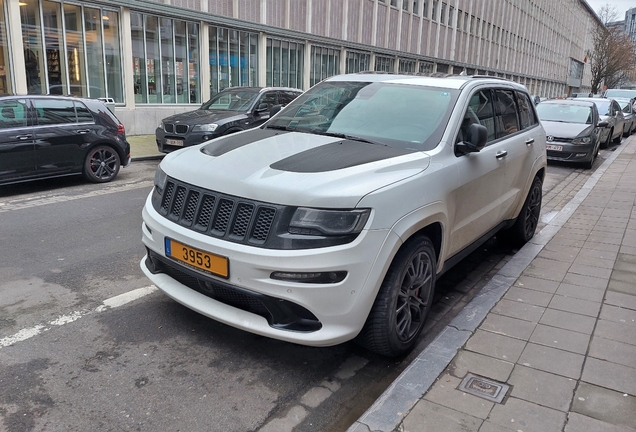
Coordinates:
(333, 220)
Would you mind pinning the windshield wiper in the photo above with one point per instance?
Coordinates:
(346, 136)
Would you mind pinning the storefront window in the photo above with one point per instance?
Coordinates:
(112, 55)
(33, 47)
(181, 60)
(167, 61)
(94, 52)
(153, 62)
(357, 62)
(193, 68)
(384, 64)
(5, 75)
(284, 63)
(74, 53)
(139, 57)
(232, 59)
(325, 62)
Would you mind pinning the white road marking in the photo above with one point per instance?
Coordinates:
(25, 203)
(112, 302)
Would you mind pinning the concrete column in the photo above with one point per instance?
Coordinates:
(127, 60)
(16, 48)
(307, 66)
(262, 59)
(204, 61)
(343, 60)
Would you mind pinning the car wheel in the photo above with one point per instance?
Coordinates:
(589, 164)
(404, 300)
(102, 164)
(526, 223)
(606, 143)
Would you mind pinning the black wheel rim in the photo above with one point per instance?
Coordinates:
(103, 164)
(532, 214)
(414, 296)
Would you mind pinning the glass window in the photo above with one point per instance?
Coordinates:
(74, 54)
(506, 113)
(407, 66)
(526, 113)
(83, 113)
(233, 55)
(325, 62)
(166, 32)
(94, 52)
(193, 62)
(181, 61)
(479, 111)
(139, 57)
(54, 45)
(13, 114)
(426, 67)
(358, 61)
(6, 86)
(153, 61)
(34, 56)
(54, 111)
(278, 50)
(384, 64)
(112, 54)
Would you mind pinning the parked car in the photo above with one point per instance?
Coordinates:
(629, 114)
(52, 136)
(580, 95)
(573, 130)
(334, 219)
(611, 113)
(232, 110)
(620, 93)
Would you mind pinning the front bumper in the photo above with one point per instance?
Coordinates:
(192, 138)
(572, 152)
(309, 314)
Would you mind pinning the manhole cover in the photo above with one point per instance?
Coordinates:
(484, 388)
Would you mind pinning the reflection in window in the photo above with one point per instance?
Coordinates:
(153, 62)
(232, 59)
(112, 54)
(74, 53)
(358, 61)
(384, 64)
(292, 52)
(5, 84)
(33, 47)
(325, 62)
(167, 61)
(13, 114)
(94, 52)
(139, 57)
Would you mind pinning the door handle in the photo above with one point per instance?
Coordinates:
(501, 154)
(83, 131)
(24, 137)
(530, 141)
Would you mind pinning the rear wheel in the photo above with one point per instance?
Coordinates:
(404, 300)
(526, 223)
(101, 164)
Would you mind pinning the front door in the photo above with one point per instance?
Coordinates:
(17, 159)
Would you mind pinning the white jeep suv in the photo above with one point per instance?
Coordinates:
(333, 220)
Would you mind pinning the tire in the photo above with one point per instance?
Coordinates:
(526, 223)
(102, 164)
(606, 144)
(404, 300)
(589, 164)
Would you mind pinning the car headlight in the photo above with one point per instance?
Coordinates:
(582, 140)
(317, 222)
(161, 125)
(205, 127)
(160, 180)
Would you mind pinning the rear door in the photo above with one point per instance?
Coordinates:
(17, 149)
(60, 139)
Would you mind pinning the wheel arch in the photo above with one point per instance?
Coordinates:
(103, 142)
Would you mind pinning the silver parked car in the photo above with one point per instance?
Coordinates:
(629, 113)
(610, 112)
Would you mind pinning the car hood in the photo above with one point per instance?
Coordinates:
(566, 130)
(293, 168)
(203, 116)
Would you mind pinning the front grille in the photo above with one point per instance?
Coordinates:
(218, 215)
(176, 128)
(181, 129)
(168, 127)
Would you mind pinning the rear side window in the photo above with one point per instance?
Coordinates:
(506, 119)
(526, 113)
(13, 114)
(83, 114)
(53, 111)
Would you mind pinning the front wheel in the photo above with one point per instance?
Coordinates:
(101, 164)
(526, 223)
(404, 300)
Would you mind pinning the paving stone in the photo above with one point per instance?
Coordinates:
(445, 393)
(574, 305)
(631, 250)
(479, 364)
(605, 405)
(537, 284)
(617, 331)
(547, 269)
(508, 326)
(529, 296)
(497, 346)
(428, 416)
(552, 360)
(558, 256)
(580, 292)
(561, 339)
(621, 286)
(613, 351)
(542, 387)
(601, 246)
(581, 423)
(620, 299)
(618, 314)
(594, 262)
(598, 254)
(610, 375)
(568, 321)
(586, 281)
(563, 241)
(491, 427)
(518, 310)
(588, 270)
(517, 414)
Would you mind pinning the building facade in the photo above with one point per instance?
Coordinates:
(159, 58)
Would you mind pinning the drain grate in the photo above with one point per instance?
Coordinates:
(484, 388)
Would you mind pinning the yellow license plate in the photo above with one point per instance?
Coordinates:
(200, 260)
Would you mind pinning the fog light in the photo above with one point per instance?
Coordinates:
(581, 154)
(315, 277)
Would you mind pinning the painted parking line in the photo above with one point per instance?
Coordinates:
(110, 303)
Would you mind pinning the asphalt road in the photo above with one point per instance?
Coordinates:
(87, 344)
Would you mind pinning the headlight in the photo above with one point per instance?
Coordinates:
(307, 221)
(161, 125)
(160, 180)
(205, 127)
(582, 140)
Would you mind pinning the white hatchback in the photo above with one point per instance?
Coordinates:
(333, 220)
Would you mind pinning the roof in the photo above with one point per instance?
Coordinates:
(429, 80)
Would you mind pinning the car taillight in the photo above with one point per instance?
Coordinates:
(121, 129)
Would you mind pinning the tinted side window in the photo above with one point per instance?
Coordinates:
(52, 111)
(269, 98)
(506, 119)
(13, 114)
(480, 110)
(526, 113)
(285, 97)
(83, 113)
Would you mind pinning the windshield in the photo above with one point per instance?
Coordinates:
(231, 100)
(396, 115)
(565, 113)
(620, 93)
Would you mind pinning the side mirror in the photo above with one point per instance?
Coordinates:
(477, 137)
(261, 108)
(275, 110)
(603, 124)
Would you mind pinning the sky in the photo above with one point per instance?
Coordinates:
(621, 6)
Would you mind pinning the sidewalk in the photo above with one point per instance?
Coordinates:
(143, 147)
(549, 344)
